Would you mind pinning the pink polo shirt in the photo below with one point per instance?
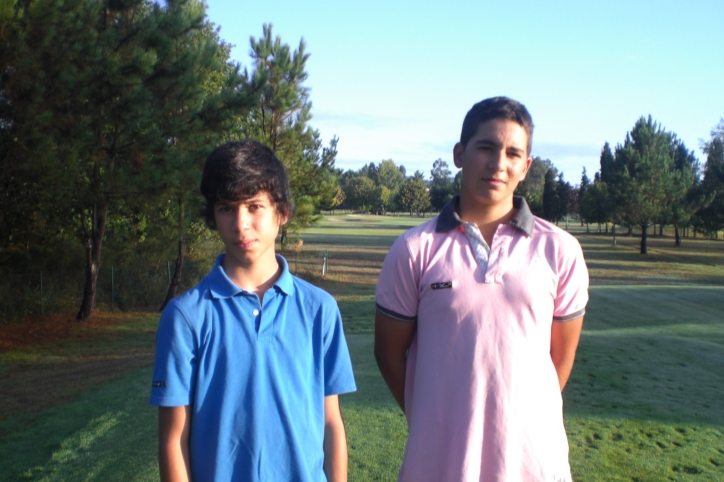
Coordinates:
(481, 396)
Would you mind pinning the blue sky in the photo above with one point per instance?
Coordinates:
(393, 80)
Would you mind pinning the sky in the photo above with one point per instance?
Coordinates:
(394, 79)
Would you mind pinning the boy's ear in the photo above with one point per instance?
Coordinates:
(457, 152)
(283, 218)
(528, 162)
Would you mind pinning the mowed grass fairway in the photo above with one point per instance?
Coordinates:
(645, 401)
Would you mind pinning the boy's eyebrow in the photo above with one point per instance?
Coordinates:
(498, 145)
(253, 199)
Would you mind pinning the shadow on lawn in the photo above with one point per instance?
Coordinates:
(652, 353)
(648, 377)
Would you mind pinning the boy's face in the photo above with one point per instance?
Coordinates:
(494, 161)
(248, 229)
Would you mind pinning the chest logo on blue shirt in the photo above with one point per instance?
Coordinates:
(442, 285)
(158, 384)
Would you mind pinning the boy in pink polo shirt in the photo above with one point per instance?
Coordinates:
(479, 312)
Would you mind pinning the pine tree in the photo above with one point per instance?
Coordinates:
(551, 199)
(711, 218)
(648, 176)
(281, 121)
(441, 186)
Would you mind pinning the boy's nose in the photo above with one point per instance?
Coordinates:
(242, 219)
(496, 160)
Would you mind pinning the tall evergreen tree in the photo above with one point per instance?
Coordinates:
(198, 107)
(551, 199)
(441, 185)
(282, 122)
(532, 186)
(648, 175)
(687, 195)
(99, 92)
(711, 218)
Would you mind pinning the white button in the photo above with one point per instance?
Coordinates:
(255, 312)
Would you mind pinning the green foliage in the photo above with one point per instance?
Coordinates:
(650, 178)
(360, 193)
(414, 196)
(551, 199)
(116, 104)
(441, 186)
(374, 187)
(532, 187)
(387, 174)
(711, 218)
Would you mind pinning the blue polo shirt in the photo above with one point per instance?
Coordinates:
(255, 373)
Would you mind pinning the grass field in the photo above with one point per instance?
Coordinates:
(645, 401)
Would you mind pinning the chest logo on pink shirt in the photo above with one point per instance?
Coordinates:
(441, 285)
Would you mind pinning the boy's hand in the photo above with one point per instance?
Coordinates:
(335, 441)
(173, 443)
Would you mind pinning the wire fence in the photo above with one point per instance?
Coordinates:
(33, 294)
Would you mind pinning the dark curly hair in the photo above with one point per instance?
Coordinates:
(239, 170)
(496, 108)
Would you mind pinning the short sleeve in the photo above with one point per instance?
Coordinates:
(572, 294)
(174, 371)
(397, 293)
(338, 374)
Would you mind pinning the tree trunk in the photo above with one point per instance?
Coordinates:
(179, 265)
(613, 230)
(644, 228)
(606, 227)
(93, 242)
(283, 240)
(661, 229)
(630, 230)
(677, 236)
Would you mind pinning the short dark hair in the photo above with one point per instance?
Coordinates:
(239, 170)
(496, 108)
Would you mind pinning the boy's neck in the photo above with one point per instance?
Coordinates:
(487, 216)
(256, 278)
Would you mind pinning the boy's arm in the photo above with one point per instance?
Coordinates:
(173, 443)
(392, 340)
(564, 341)
(335, 441)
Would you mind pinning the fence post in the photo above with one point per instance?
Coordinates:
(113, 291)
(42, 314)
(324, 263)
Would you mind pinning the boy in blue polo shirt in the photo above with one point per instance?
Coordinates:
(249, 362)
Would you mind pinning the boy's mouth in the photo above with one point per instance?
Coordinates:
(246, 244)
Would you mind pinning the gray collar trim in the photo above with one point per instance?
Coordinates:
(449, 218)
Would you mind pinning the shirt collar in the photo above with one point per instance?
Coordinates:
(449, 218)
(222, 287)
